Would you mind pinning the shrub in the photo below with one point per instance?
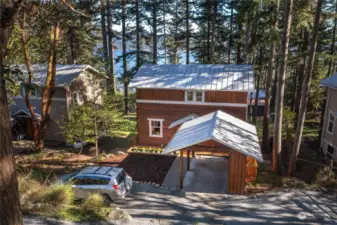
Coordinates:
(326, 178)
(292, 182)
(94, 202)
(59, 195)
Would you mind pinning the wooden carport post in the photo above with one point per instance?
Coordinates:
(181, 169)
(188, 159)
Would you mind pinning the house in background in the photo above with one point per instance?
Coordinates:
(198, 108)
(329, 129)
(260, 102)
(75, 84)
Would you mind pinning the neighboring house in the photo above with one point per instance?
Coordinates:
(74, 84)
(329, 129)
(199, 108)
(260, 102)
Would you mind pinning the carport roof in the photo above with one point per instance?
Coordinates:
(220, 127)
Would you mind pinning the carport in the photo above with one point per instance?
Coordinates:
(222, 133)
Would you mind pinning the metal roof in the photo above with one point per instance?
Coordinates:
(330, 82)
(65, 74)
(183, 120)
(220, 127)
(26, 113)
(195, 76)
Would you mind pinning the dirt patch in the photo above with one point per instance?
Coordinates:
(147, 167)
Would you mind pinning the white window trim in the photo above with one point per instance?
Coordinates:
(161, 127)
(195, 96)
(334, 122)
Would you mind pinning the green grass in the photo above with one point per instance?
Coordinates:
(310, 130)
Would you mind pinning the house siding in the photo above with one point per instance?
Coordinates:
(328, 138)
(58, 111)
(170, 113)
(179, 95)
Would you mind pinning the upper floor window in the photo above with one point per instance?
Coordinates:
(34, 92)
(194, 96)
(331, 122)
(156, 127)
(76, 98)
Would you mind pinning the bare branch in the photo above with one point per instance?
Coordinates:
(73, 9)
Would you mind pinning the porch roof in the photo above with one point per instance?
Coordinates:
(26, 113)
(220, 127)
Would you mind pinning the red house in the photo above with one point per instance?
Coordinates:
(171, 98)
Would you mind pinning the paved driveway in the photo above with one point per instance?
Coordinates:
(207, 175)
(148, 205)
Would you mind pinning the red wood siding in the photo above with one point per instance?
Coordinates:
(171, 113)
(160, 94)
(236, 173)
(179, 95)
(226, 96)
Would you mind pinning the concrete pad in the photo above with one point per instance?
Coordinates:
(172, 178)
(207, 175)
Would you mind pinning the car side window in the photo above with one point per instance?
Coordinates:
(103, 181)
(79, 181)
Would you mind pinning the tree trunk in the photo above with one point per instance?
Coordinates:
(10, 212)
(301, 74)
(125, 69)
(104, 36)
(214, 12)
(154, 26)
(209, 9)
(30, 77)
(230, 33)
(256, 97)
(271, 71)
(305, 91)
(165, 49)
(246, 39)
(187, 32)
(49, 89)
(110, 50)
(137, 35)
(332, 48)
(238, 46)
(277, 145)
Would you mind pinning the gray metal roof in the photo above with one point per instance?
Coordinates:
(330, 82)
(65, 74)
(195, 76)
(26, 113)
(183, 120)
(220, 127)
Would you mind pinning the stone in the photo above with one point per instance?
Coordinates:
(157, 185)
(120, 153)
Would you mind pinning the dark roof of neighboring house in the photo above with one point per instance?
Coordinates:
(65, 74)
(330, 82)
(195, 76)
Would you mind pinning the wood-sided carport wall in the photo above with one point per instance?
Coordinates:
(236, 164)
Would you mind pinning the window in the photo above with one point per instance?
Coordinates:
(331, 122)
(330, 152)
(76, 98)
(80, 181)
(190, 96)
(156, 127)
(34, 92)
(194, 96)
(198, 96)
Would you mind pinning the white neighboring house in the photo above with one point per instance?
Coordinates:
(329, 130)
(74, 84)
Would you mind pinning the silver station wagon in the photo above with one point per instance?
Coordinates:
(111, 182)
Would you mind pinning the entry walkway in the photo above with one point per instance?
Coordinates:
(207, 175)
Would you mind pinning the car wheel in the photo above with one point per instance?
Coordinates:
(107, 200)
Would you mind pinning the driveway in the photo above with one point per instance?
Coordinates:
(207, 175)
(158, 206)
(149, 205)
